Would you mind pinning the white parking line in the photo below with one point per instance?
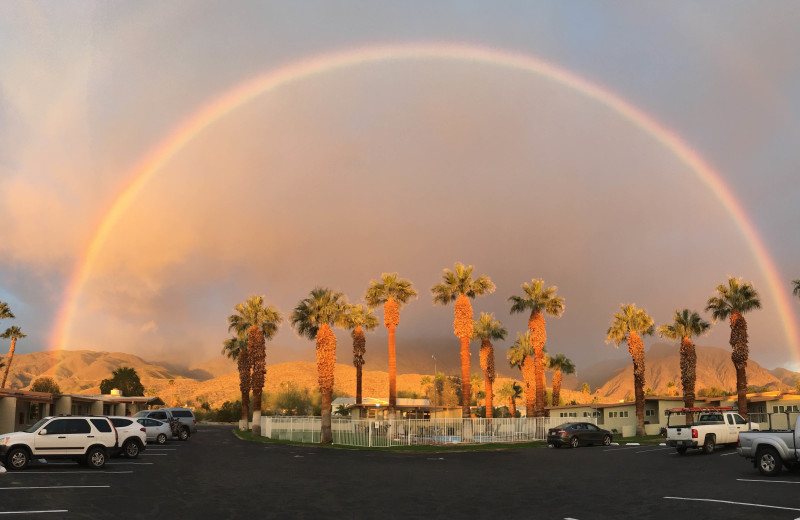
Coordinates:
(652, 450)
(129, 463)
(161, 449)
(33, 512)
(50, 487)
(68, 472)
(637, 446)
(769, 481)
(726, 454)
(153, 454)
(733, 503)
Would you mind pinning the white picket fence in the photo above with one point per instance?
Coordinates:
(408, 432)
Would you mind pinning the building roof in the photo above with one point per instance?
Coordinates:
(27, 395)
(596, 406)
(402, 402)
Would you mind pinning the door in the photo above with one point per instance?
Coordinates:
(63, 437)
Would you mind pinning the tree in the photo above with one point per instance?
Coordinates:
(562, 365)
(520, 355)
(732, 302)
(45, 384)
(259, 322)
(458, 286)
(586, 389)
(313, 318)
(538, 301)
(236, 348)
(511, 391)
(126, 380)
(393, 293)
(13, 333)
(628, 326)
(686, 324)
(357, 319)
(488, 329)
(796, 289)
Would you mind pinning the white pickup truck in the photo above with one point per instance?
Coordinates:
(778, 446)
(712, 427)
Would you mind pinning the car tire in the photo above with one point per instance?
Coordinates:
(607, 440)
(709, 445)
(768, 461)
(161, 439)
(96, 457)
(131, 449)
(681, 450)
(183, 434)
(574, 442)
(17, 459)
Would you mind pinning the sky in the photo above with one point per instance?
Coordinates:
(400, 164)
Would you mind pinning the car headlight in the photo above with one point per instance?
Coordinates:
(5, 441)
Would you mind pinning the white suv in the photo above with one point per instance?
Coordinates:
(132, 436)
(85, 439)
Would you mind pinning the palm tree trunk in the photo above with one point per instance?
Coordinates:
(487, 364)
(688, 375)
(536, 325)
(10, 359)
(256, 345)
(636, 350)
(556, 388)
(391, 318)
(739, 357)
(326, 361)
(529, 375)
(462, 328)
(359, 347)
(243, 361)
(512, 406)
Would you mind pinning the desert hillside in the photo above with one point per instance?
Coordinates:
(217, 380)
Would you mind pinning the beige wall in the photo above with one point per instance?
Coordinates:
(63, 405)
(8, 407)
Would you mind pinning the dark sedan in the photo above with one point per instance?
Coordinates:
(577, 433)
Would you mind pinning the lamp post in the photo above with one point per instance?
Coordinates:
(434, 388)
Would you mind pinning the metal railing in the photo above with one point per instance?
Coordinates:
(409, 432)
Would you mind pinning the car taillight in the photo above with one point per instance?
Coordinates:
(194, 421)
(738, 442)
(143, 429)
(694, 433)
(561, 432)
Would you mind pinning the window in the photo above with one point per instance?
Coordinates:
(739, 419)
(649, 413)
(730, 419)
(611, 415)
(623, 414)
(161, 416)
(182, 413)
(57, 427)
(103, 426)
(592, 427)
(119, 423)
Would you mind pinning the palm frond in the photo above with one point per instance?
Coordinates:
(389, 286)
(323, 306)
(486, 327)
(538, 299)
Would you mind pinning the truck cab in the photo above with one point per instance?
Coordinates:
(714, 426)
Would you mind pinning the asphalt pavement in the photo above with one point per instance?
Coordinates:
(215, 475)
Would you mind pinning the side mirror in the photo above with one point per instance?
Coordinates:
(43, 431)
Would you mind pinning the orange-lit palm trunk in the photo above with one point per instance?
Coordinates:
(391, 318)
(636, 350)
(536, 325)
(10, 359)
(359, 348)
(739, 357)
(462, 328)
(529, 376)
(326, 361)
(556, 388)
(256, 345)
(688, 374)
(512, 406)
(487, 364)
(243, 362)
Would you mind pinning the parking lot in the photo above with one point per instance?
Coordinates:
(215, 475)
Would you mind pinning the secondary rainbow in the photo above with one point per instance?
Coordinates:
(303, 69)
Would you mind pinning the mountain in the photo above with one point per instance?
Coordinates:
(787, 377)
(662, 366)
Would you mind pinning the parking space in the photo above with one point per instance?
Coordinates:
(215, 475)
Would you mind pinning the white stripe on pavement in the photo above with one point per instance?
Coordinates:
(23, 473)
(734, 503)
(50, 487)
(769, 481)
(33, 512)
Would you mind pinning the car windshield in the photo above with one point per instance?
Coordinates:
(143, 413)
(36, 426)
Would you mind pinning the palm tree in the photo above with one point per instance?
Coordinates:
(562, 365)
(459, 286)
(537, 300)
(259, 322)
(357, 319)
(235, 348)
(520, 355)
(686, 324)
(488, 329)
(313, 318)
(796, 289)
(732, 301)
(511, 391)
(393, 293)
(5, 312)
(12, 333)
(628, 326)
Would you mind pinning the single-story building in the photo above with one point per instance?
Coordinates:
(620, 416)
(378, 408)
(20, 409)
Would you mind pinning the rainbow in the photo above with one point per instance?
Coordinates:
(307, 68)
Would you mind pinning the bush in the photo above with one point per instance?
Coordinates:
(45, 384)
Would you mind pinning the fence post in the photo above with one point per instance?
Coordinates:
(369, 427)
